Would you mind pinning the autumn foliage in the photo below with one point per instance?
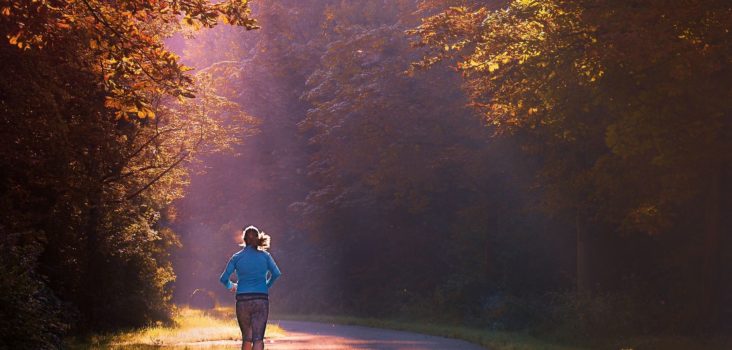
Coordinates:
(100, 125)
(550, 166)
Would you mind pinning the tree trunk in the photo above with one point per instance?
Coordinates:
(583, 275)
(90, 294)
(710, 265)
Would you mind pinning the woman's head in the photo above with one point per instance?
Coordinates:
(252, 237)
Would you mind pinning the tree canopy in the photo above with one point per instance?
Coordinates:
(99, 127)
(550, 166)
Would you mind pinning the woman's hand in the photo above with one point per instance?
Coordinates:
(233, 287)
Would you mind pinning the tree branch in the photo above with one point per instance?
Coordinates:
(154, 180)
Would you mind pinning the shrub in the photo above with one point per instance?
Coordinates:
(31, 317)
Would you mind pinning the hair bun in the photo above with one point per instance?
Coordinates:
(264, 241)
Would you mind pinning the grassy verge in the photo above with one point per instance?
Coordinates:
(671, 342)
(493, 340)
(192, 327)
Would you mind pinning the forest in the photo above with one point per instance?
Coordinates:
(562, 168)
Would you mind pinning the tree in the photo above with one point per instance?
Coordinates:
(524, 72)
(627, 101)
(99, 149)
(403, 175)
(123, 42)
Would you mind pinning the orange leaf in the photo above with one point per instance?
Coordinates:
(14, 39)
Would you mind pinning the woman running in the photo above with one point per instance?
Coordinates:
(252, 264)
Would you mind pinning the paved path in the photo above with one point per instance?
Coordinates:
(311, 335)
(316, 336)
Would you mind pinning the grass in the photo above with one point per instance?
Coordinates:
(671, 342)
(193, 328)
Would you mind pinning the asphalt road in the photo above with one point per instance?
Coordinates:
(311, 335)
(316, 336)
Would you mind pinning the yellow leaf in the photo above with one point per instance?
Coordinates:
(111, 103)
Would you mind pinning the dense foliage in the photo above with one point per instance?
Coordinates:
(555, 166)
(572, 177)
(96, 127)
(630, 108)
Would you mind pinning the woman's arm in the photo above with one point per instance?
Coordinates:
(273, 270)
(227, 272)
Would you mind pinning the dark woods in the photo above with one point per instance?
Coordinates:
(559, 167)
(96, 127)
(571, 177)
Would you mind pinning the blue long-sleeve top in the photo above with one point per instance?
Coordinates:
(251, 266)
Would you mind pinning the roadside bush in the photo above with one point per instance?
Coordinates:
(507, 312)
(31, 317)
(576, 317)
(592, 316)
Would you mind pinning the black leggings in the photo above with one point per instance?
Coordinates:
(252, 311)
